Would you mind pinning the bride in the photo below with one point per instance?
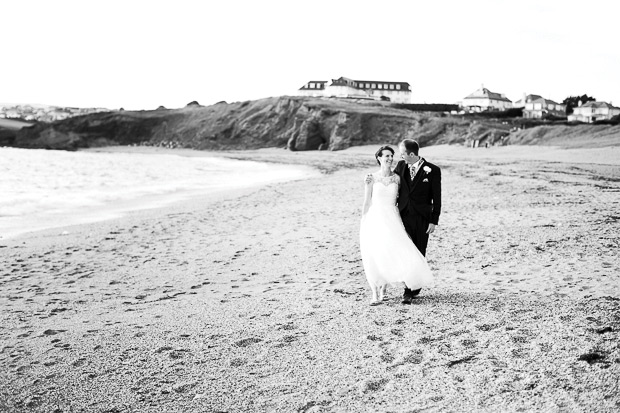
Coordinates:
(388, 254)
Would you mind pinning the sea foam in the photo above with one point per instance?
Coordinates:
(44, 189)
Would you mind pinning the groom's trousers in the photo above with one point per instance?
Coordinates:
(416, 227)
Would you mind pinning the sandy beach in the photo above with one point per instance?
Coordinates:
(256, 300)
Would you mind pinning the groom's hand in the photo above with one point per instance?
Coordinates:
(431, 228)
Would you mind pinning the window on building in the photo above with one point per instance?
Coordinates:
(367, 85)
(398, 87)
(392, 87)
(380, 86)
(373, 86)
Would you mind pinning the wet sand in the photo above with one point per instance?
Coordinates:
(257, 301)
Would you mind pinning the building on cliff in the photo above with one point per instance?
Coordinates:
(525, 99)
(535, 106)
(343, 87)
(593, 111)
(44, 113)
(483, 99)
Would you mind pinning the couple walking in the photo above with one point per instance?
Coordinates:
(401, 209)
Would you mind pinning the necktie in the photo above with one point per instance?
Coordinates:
(412, 171)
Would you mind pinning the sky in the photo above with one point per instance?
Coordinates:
(136, 55)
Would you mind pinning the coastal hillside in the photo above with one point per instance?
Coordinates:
(296, 123)
(293, 122)
(568, 136)
(8, 130)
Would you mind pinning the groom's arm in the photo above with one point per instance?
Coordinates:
(436, 196)
(399, 168)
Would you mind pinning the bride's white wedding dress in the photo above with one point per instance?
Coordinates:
(388, 254)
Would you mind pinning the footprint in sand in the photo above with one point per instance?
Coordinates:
(387, 357)
(247, 341)
(469, 343)
(372, 385)
(372, 337)
(52, 332)
(414, 356)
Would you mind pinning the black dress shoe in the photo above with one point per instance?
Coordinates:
(407, 296)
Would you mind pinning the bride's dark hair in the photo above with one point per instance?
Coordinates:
(380, 152)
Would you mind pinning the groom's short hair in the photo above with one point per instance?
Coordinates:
(411, 146)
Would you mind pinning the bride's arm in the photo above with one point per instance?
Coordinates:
(368, 181)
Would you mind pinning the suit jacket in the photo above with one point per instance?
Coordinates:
(422, 196)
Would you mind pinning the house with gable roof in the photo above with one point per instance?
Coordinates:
(525, 99)
(593, 111)
(483, 99)
(398, 92)
(535, 106)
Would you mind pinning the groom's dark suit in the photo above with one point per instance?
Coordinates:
(419, 201)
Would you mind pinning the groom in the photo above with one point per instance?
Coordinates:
(419, 198)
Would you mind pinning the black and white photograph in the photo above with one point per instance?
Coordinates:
(309, 207)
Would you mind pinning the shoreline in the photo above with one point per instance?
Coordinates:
(258, 301)
(83, 215)
(604, 156)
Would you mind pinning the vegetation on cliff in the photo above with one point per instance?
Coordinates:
(297, 123)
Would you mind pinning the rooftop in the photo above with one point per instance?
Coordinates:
(360, 84)
(486, 93)
(597, 105)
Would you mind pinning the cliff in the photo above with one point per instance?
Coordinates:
(293, 122)
(8, 130)
(297, 123)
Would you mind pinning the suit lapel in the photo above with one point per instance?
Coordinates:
(418, 176)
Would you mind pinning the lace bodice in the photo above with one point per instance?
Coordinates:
(385, 190)
(387, 179)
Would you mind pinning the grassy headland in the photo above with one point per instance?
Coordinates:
(299, 123)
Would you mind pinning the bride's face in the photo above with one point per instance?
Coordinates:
(386, 158)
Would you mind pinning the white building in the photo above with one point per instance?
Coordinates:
(483, 99)
(314, 88)
(592, 111)
(535, 106)
(398, 92)
(525, 99)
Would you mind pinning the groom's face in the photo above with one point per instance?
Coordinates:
(409, 158)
